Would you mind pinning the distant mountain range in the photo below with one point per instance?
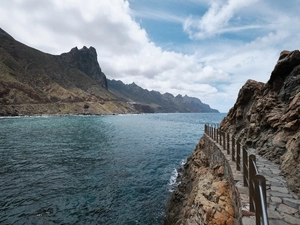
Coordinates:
(153, 101)
(33, 82)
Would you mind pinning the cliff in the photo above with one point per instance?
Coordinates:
(206, 192)
(266, 116)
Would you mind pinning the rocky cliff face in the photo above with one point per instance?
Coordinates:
(203, 196)
(267, 117)
(86, 61)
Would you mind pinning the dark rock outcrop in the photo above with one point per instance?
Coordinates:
(267, 117)
(85, 60)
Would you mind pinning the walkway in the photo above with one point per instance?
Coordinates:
(283, 205)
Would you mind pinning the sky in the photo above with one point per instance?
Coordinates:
(201, 48)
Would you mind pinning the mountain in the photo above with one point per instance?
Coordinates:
(153, 101)
(266, 117)
(33, 82)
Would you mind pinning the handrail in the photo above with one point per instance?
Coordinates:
(264, 203)
(251, 177)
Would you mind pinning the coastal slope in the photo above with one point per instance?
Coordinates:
(34, 82)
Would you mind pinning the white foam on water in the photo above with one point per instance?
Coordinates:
(173, 177)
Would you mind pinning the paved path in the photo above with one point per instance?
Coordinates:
(283, 205)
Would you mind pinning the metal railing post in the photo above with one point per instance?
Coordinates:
(245, 167)
(252, 172)
(223, 139)
(228, 144)
(215, 133)
(238, 155)
(260, 199)
(232, 148)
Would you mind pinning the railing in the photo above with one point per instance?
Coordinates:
(251, 177)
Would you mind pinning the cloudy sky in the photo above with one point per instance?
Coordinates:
(203, 48)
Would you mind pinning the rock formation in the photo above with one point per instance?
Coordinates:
(266, 117)
(86, 61)
(203, 196)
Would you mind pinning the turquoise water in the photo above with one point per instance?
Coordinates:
(93, 169)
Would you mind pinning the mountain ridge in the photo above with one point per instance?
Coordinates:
(33, 82)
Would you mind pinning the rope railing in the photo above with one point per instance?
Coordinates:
(247, 164)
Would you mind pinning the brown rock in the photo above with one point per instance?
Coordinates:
(294, 125)
(220, 171)
(269, 116)
(203, 197)
(283, 54)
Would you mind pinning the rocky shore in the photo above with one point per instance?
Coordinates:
(204, 195)
(266, 117)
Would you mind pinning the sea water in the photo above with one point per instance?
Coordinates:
(93, 169)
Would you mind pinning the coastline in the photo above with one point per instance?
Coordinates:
(204, 195)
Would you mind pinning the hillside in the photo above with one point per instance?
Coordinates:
(33, 82)
(266, 116)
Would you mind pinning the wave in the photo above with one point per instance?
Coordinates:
(173, 177)
(176, 176)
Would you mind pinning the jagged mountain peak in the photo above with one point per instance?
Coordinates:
(155, 101)
(85, 59)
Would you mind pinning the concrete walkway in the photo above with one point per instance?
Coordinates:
(283, 205)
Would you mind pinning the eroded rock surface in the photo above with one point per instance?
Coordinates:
(204, 196)
(267, 117)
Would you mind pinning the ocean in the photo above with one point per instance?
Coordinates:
(116, 170)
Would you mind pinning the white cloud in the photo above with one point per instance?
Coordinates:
(216, 67)
(216, 19)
